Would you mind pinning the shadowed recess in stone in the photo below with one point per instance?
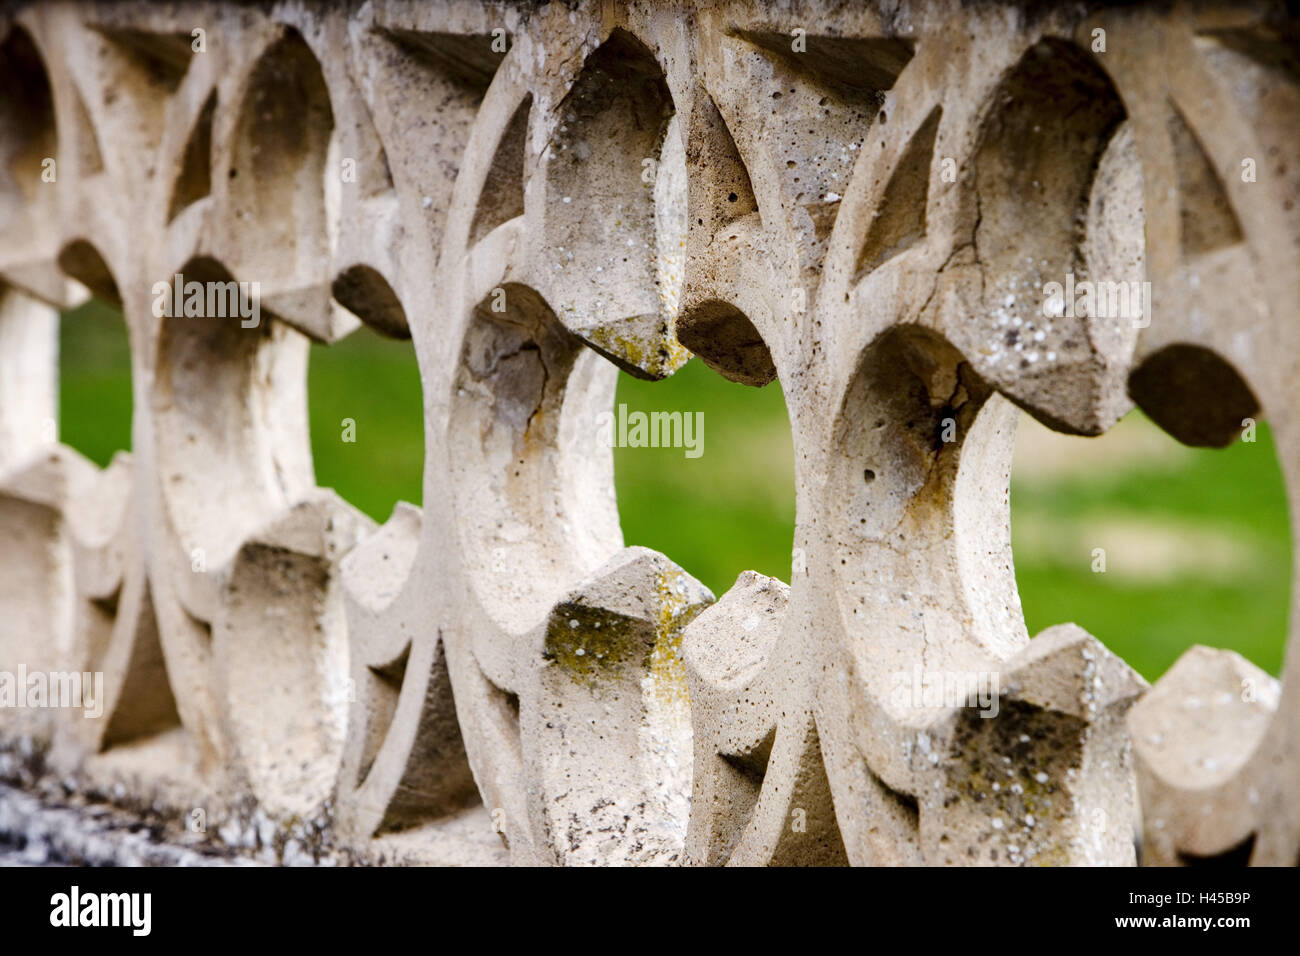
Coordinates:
(90, 158)
(829, 89)
(387, 679)
(145, 706)
(81, 261)
(1235, 858)
(468, 60)
(503, 192)
(1047, 128)
(720, 188)
(162, 57)
(853, 68)
(900, 223)
(722, 213)
(1207, 221)
(727, 342)
(1273, 45)
(276, 177)
(27, 129)
(1194, 395)
(194, 181)
(607, 233)
(367, 295)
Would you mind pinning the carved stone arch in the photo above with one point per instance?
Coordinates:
(1212, 269)
(243, 529)
(496, 175)
(36, 611)
(28, 164)
(761, 792)
(229, 414)
(1052, 141)
(406, 766)
(614, 143)
(116, 627)
(411, 77)
(100, 621)
(805, 115)
(923, 457)
(273, 185)
(1223, 784)
(1220, 354)
(713, 322)
(525, 381)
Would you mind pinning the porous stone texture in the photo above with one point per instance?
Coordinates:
(36, 832)
(867, 202)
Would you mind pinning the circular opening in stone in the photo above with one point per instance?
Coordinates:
(367, 421)
(95, 381)
(1153, 546)
(534, 485)
(704, 471)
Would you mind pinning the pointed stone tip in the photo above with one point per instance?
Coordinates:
(636, 581)
(641, 345)
(1065, 668)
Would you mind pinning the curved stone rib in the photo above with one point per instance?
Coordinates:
(280, 651)
(403, 762)
(737, 715)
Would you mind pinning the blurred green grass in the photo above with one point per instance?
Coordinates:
(1235, 494)
(733, 508)
(94, 382)
(374, 381)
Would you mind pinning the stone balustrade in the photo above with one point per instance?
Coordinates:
(868, 203)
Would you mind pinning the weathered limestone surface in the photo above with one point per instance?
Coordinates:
(866, 202)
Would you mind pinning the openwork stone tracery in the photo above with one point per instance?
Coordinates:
(865, 204)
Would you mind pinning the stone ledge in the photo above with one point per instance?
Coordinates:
(78, 832)
(114, 812)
